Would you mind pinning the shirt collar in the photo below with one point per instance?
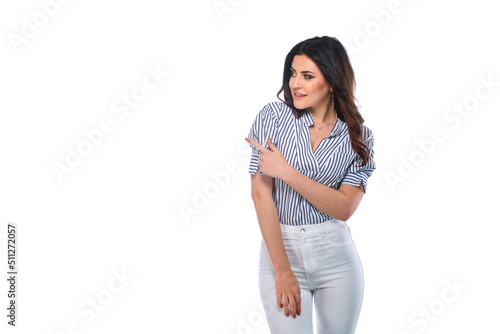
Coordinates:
(337, 128)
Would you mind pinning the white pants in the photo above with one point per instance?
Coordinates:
(325, 261)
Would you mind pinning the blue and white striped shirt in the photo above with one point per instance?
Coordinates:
(332, 163)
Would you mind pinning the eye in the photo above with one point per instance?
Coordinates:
(306, 76)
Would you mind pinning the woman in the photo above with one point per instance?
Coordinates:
(314, 157)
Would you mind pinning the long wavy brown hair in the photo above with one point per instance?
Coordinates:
(332, 59)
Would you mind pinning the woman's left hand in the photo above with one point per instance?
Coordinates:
(271, 161)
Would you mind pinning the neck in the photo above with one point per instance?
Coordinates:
(323, 116)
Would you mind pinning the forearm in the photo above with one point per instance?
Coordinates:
(271, 232)
(326, 199)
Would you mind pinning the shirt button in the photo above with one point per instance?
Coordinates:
(302, 231)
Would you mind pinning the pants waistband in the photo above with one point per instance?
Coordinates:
(312, 229)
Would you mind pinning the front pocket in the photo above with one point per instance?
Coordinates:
(335, 167)
(338, 237)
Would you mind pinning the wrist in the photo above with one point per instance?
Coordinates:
(287, 173)
(283, 271)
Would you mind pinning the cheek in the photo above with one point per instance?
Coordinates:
(312, 88)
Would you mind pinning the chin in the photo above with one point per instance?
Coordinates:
(300, 106)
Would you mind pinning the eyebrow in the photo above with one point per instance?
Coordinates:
(302, 71)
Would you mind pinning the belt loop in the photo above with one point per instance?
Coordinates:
(320, 230)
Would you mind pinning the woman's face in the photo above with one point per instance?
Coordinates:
(308, 81)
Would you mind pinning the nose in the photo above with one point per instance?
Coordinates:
(295, 82)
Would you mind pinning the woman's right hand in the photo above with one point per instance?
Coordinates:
(288, 292)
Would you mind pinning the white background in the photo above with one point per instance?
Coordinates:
(120, 209)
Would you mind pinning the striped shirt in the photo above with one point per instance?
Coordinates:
(332, 163)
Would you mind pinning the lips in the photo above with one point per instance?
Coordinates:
(299, 96)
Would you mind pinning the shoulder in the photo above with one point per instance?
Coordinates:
(275, 110)
(345, 138)
(367, 133)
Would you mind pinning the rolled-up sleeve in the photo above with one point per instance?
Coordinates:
(355, 175)
(264, 126)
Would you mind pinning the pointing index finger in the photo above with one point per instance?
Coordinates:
(256, 144)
